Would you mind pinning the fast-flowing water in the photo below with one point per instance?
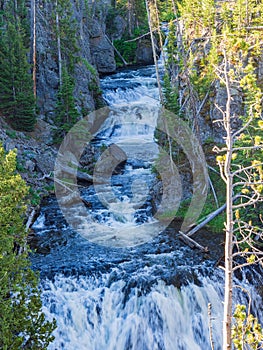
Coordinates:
(111, 296)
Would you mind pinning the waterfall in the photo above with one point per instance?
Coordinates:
(152, 294)
(94, 315)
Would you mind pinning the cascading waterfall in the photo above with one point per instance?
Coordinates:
(153, 296)
(93, 315)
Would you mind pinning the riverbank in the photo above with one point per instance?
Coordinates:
(35, 156)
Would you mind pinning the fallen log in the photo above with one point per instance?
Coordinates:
(72, 172)
(31, 218)
(192, 243)
(117, 52)
(139, 37)
(23, 248)
(209, 218)
(148, 33)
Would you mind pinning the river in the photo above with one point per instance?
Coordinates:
(113, 289)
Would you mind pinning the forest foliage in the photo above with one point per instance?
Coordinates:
(194, 55)
(17, 101)
(213, 60)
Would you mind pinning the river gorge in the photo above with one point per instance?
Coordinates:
(109, 287)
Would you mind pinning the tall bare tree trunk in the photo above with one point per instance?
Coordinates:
(59, 46)
(158, 80)
(130, 17)
(227, 322)
(159, 29)
(174, 9)
(33, 5)
(154, 52)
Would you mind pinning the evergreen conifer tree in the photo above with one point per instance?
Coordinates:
(22, 324)
(66, 112)
(17, 100)
(68, 34)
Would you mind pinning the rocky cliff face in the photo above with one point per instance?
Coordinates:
(102, 52)
(35, 150)
(94, 48)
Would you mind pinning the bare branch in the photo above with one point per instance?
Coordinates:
(246, 168)
(214, 192)
(213, 169)
(221, 110)
(212, 343)
(204, 99)
(192, 243)
(251, 201)
(222, 173)
(244, 127)
(254, 28)
(248, 148)
(249, 296)
(257, 253)
(247, 183)
(246, 264)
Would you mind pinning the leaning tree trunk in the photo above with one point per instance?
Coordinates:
(159, 29)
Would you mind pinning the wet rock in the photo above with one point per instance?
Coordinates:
(67, 171)
(182, 278)
(101, 49)
(144, 54)
(87, 156)
(43, 250)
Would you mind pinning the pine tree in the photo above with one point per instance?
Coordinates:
(22, 324)
(66, 30)
(66, 112)
(16, 86)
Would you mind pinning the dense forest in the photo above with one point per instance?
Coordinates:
(53, 54)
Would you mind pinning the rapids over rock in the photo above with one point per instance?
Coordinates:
(114, 289)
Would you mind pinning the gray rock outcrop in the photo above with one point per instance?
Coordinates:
(119, 25)
(101, 49)
(96, 54)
